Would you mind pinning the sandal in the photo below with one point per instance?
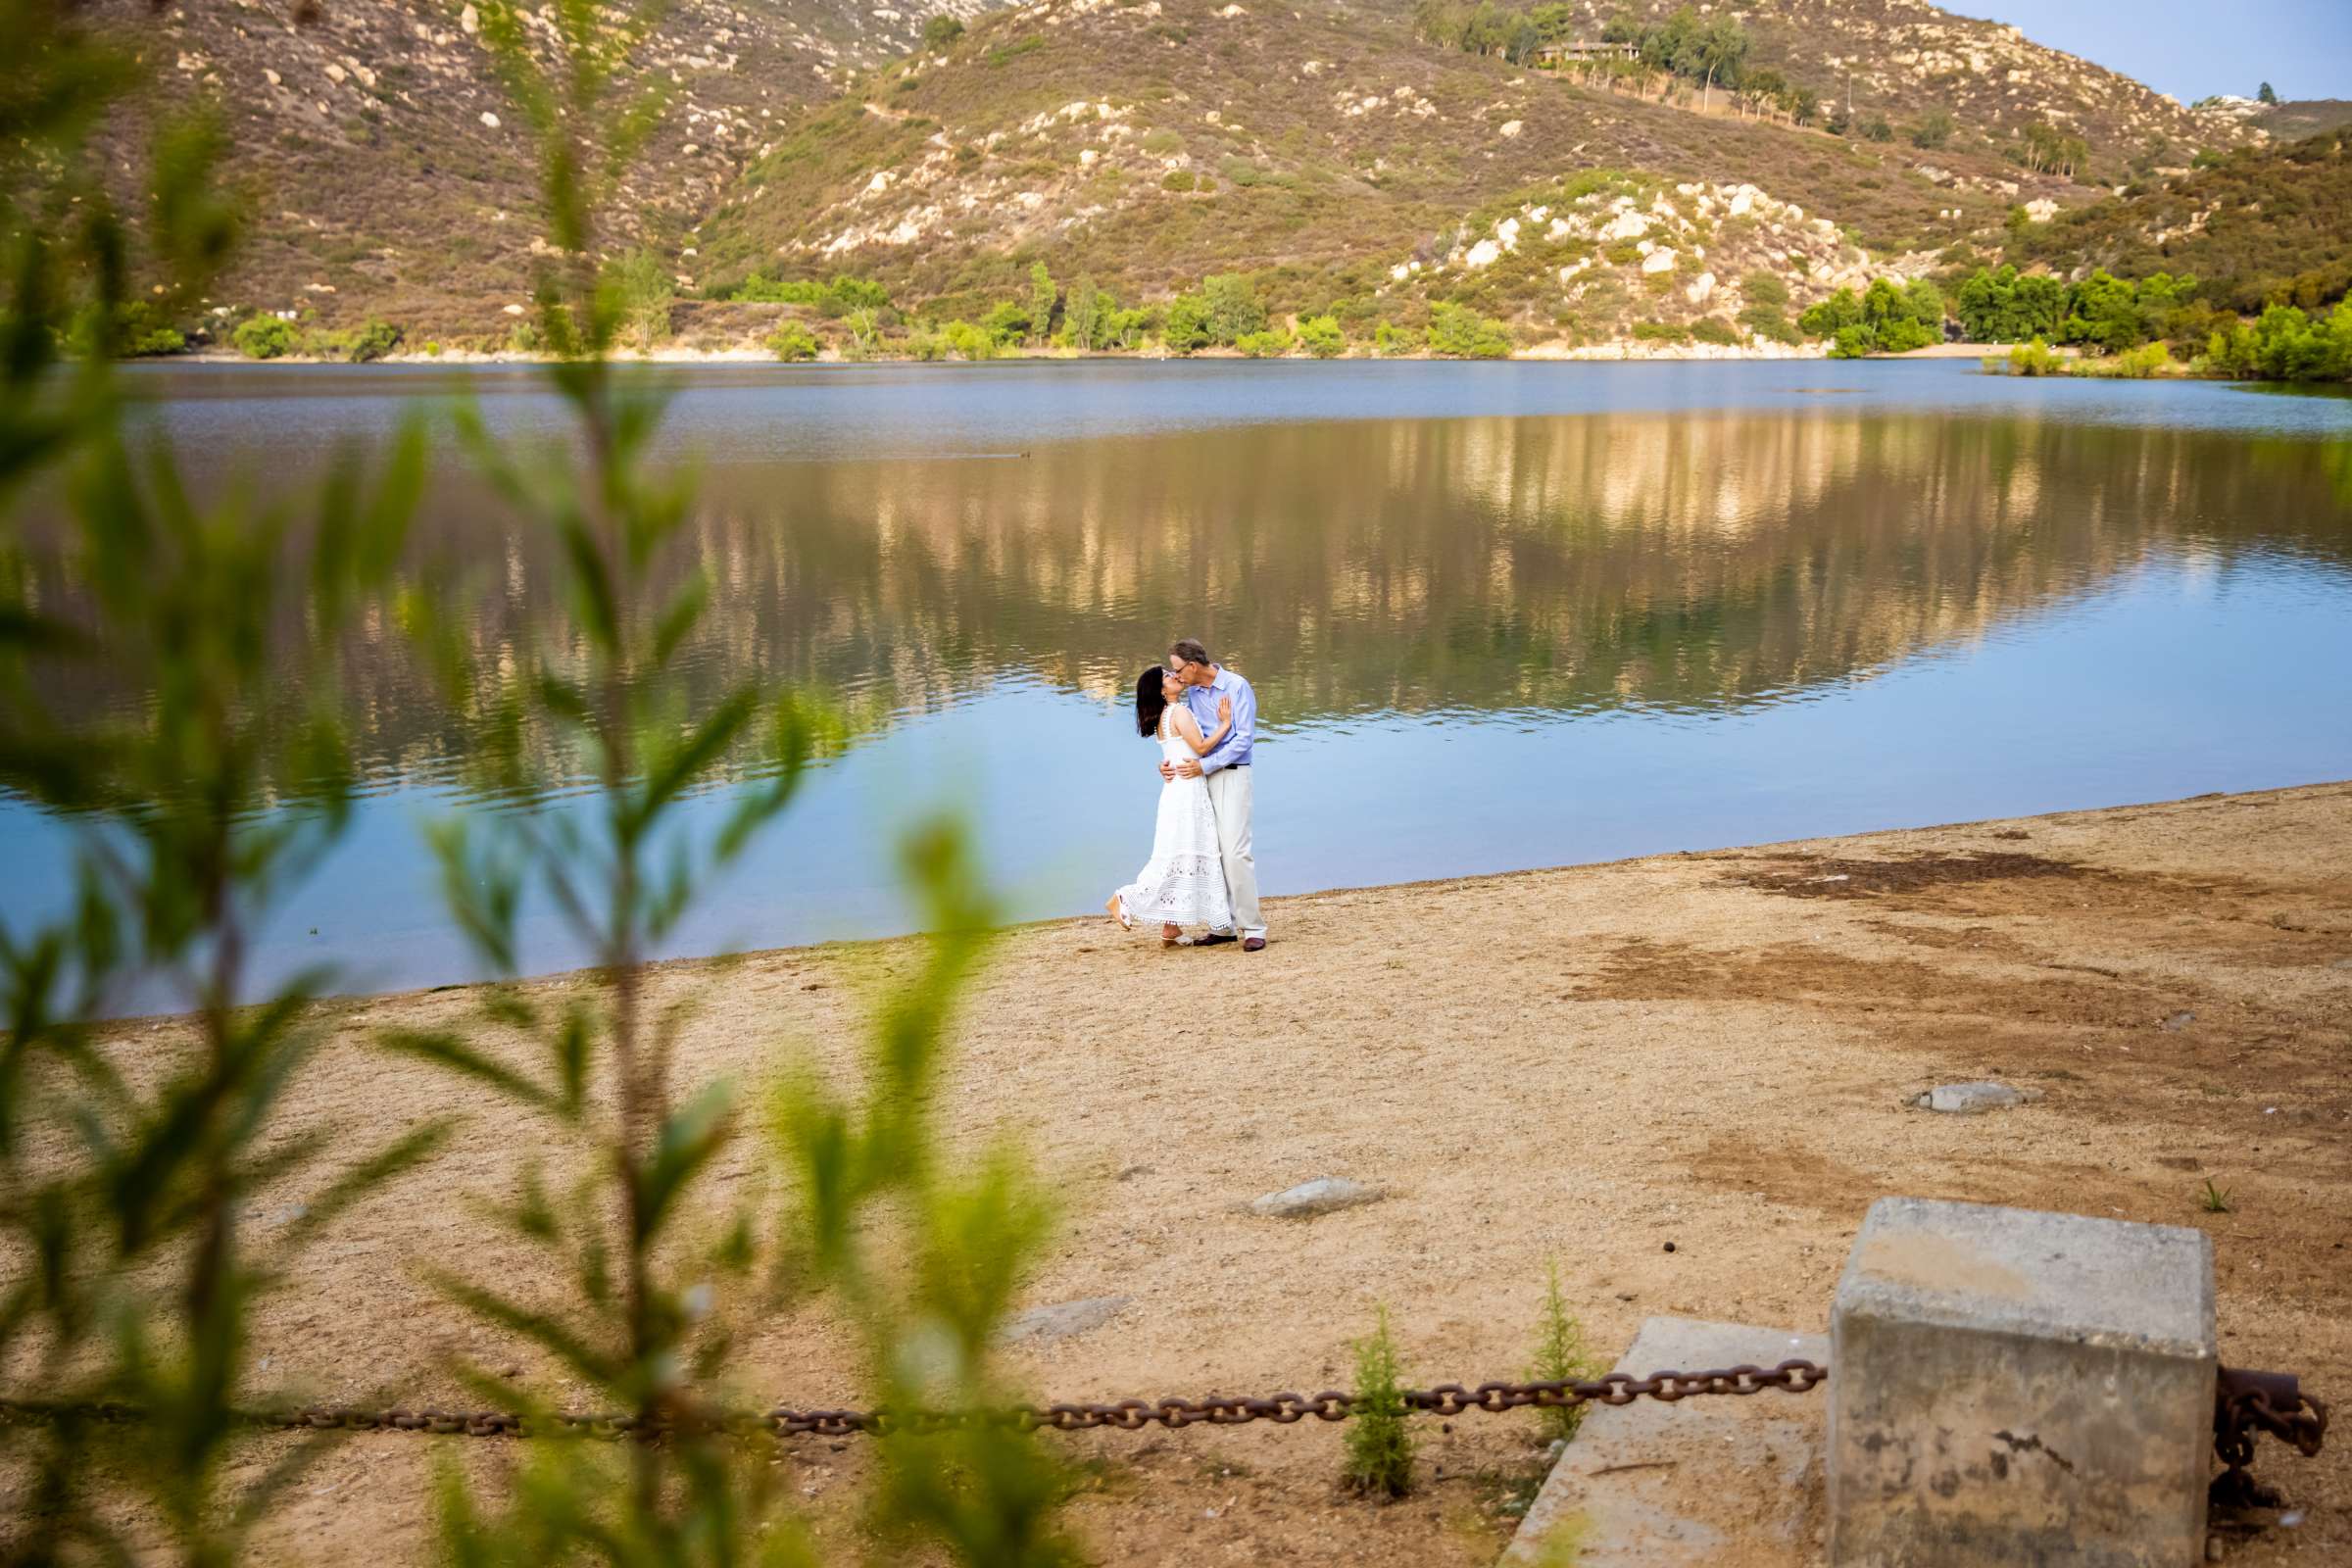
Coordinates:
(1118, 912)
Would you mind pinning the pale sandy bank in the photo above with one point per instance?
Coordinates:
(1711, 1049)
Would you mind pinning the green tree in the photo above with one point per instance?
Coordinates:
(2267, 94)
(1007, 323)
(2103, 310)
(1320, 336)
(1852, 342)
(646, 293)
(1828, 317)
(1717, 54)
(1934, 130)
(1083, 313)
(1042, 299)
(941, 31)
(1233, 307)
(1189, 324)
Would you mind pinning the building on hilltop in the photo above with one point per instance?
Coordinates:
(1582, 51)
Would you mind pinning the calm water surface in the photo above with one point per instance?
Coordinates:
(1499, 617)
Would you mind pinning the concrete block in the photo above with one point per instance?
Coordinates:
(1711, 1480)
(2020, 1388)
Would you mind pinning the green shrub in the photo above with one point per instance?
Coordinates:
(371, 342)
(1560, 1356)
(264, 337)
(1320, 336)
(1765, 288)
(1380, 1451)
(940, 32)
(1660, 332)
(1932, 132)
(1178, 179)
(1770, 322)
(1713, 330)
(1388, 338)
(523, 338)
(970, 341)
(1458, 332)
(2035, 358)
(1270, 345)
(792, 342)
(2133, 364)
(1015, 49)
(432, 349)
(157, 341)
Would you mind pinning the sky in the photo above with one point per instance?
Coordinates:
(2194, 48)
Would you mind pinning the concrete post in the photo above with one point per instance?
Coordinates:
(2017, 1388)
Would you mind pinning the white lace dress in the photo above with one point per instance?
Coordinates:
(1183, 882)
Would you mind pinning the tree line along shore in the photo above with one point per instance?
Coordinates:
(2100, 326)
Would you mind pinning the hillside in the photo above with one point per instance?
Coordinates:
(2288, 120)
(1902, 60)
(1328, 148)
(2262, 223)
(388, 173)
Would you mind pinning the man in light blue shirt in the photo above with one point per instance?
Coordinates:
(1227, 771)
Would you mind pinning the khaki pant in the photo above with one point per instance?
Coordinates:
(1229, 798)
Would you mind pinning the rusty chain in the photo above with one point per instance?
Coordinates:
(2245, 1403)
(1127, 1415)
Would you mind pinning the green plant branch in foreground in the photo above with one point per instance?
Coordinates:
(125, 1183)
(664, 1274)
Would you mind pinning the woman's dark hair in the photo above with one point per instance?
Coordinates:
(1150, 701)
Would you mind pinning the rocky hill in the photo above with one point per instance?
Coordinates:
(2288, 120)
(1326, 146)
(2262, 223)
(390, 175)
(1904, 60)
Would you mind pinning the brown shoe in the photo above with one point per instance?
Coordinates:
(1215, 938)
(1254, 945)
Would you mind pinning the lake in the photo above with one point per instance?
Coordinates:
(1499, 616)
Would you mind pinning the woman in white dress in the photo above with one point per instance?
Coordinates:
(1183, 882)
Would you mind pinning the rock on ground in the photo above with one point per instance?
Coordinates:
(1044, 1325)
(1322, 1195)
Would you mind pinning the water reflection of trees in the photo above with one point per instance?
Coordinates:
(1697, 562)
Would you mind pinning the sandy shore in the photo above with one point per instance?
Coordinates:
(1711, 1049)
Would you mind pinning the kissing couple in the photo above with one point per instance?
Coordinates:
(1202, 872)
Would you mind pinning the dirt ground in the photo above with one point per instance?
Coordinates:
(1707, 1050)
